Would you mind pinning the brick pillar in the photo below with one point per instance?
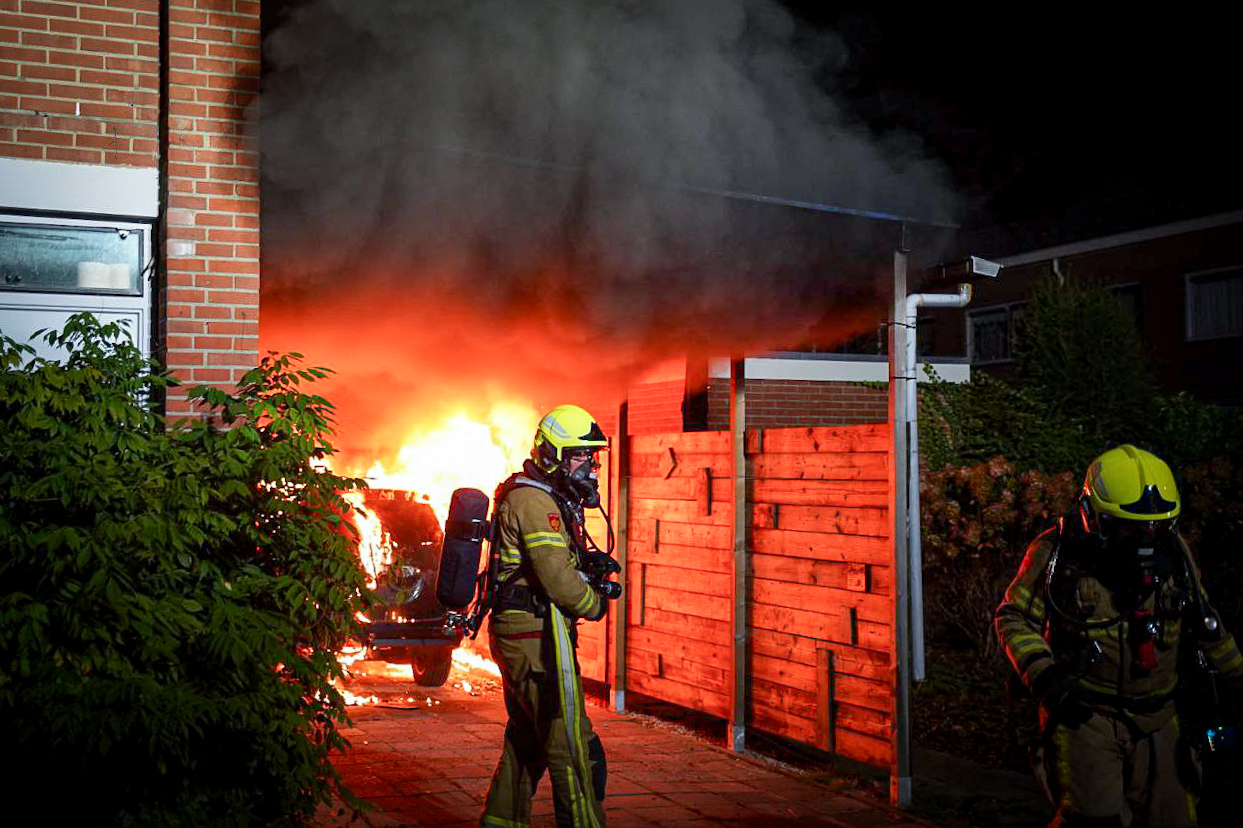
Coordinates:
(209, 328)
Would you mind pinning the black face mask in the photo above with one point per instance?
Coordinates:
(1144, 549)
(584, 484)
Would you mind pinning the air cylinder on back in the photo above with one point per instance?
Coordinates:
(465, 531)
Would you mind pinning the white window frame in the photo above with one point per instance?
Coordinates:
(24, 311)
(1189, 280)
(1008, 308)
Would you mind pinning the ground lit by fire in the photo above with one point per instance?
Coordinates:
(369, 682)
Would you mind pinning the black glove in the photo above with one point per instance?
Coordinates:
(1058, 696)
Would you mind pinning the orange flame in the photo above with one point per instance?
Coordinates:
(460, 452)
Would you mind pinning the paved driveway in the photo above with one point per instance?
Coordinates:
(425, 757)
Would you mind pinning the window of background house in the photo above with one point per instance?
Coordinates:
(1215, 303)
(1131, 297)
(990, 333)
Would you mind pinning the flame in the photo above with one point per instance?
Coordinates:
(468, 660)
(460, 452)
(375, 548)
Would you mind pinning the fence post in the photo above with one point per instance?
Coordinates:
(900, 771)
(738, 609)
(620, 463)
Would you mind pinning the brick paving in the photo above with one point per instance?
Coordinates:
(424, 757)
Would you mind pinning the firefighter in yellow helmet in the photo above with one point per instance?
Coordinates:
(543, 592)
(1103, 622)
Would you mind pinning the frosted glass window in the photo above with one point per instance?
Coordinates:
(73, 259)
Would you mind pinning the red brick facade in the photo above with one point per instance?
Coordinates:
(211, 226)
(81, 83)
(788, 403)
(658, 407)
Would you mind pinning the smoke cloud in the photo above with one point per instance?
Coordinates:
(547, 193)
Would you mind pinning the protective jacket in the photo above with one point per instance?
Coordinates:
(1121, 645)
(531, 636)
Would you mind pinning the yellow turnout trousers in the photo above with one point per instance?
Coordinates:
(548, 729)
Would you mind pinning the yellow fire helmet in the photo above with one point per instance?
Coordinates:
(1128, 483)
(565, 428)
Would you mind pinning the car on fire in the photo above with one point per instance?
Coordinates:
(408, 624)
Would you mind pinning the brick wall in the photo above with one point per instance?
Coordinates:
(79, 82)
(655, 407)
(210, 331)
(788, 403)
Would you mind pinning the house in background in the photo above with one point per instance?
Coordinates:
(1182, 280)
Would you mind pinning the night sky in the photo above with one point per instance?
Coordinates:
(1064, 124)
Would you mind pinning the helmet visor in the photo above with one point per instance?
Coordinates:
(1141, 537)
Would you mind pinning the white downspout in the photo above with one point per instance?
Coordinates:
(914, 522)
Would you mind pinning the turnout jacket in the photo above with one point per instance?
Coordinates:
(1096, 630)
(536, 552)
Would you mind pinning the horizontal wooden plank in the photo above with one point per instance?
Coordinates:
(823, 546)
(856, 520)
(691, 442)
(764, 693)
(687, 557)
(832, 627)
(686, 695)
(675, 668)
(719, 656)
(874, 695)
(861, 466)
(677, 511)
(868, 607)
(688, 580)
(873, 437)
(691, 627)
(874, 723)
(839, 493)
(870, 664)
(807, 571)
(858, 746)
(687, 603)
(688, 465)
(682, 534)
(803, 704)
(681, 488)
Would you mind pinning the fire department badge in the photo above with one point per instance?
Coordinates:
(554, 520)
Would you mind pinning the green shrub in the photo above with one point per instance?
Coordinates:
(962, 424)
(977, 523)
(171, 599)
(1077, 348)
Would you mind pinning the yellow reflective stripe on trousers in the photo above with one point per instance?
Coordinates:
(488, 821)
(563, 652)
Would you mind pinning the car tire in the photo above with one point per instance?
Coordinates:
(431, 665)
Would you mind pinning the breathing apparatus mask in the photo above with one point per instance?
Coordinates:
(584, 481)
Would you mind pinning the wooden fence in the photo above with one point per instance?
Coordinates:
(818, 554)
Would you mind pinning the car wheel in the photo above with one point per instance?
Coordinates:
(431, 665)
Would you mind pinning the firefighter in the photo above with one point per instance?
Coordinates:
(541, 595)
(1104, 617)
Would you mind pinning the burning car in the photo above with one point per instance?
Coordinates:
(399, 548)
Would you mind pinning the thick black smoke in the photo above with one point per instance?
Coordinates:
(562, 169)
